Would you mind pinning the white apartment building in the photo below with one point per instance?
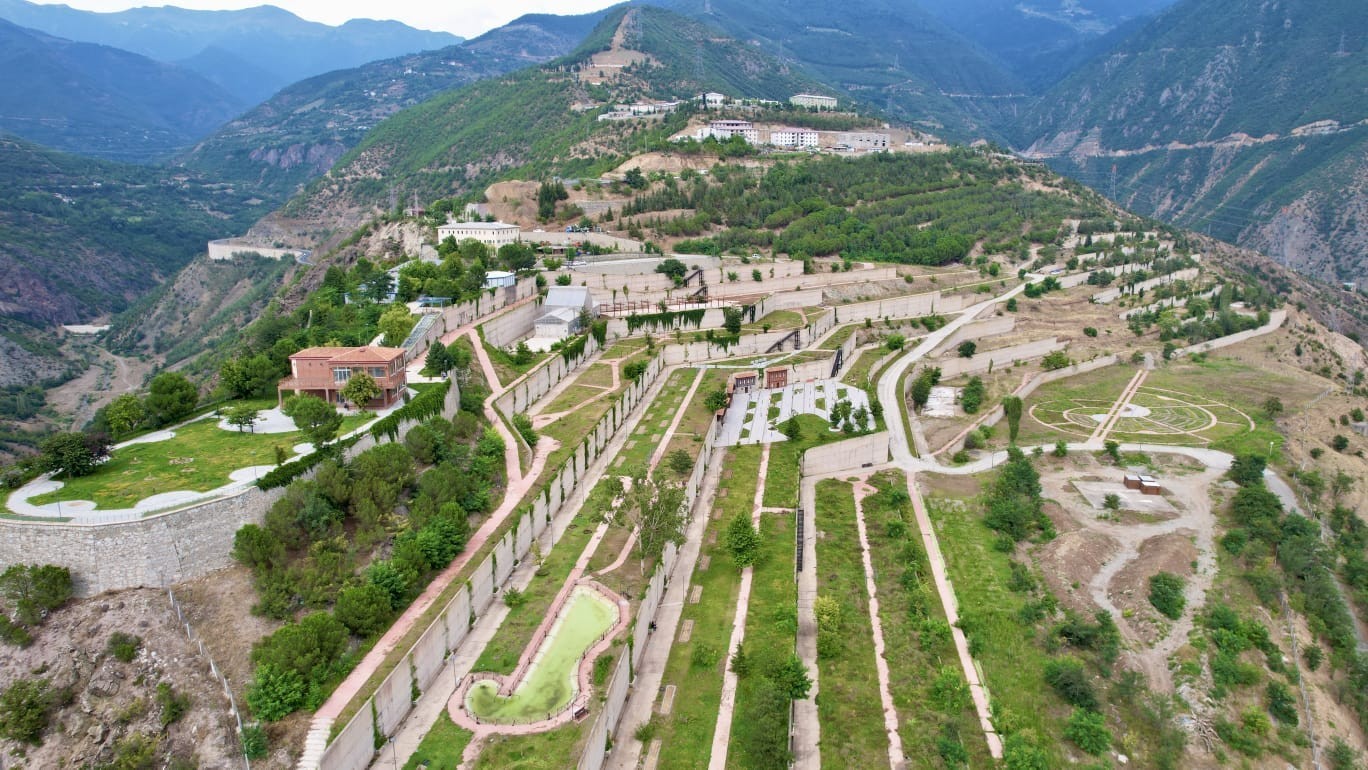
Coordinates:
(813, 100)
(722, 130)
(795, 138)
(491, 234)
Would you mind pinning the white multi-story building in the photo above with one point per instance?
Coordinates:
(796, 138)
(491, 234)
(813, 100)
(722, 130)
(864, 140)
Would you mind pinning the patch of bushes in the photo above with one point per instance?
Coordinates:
(1166, 594)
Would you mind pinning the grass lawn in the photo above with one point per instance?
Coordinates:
(441, 747)
(500, 656)
(781, 485)
(686, 734)
(553, 750)
(199, 458)
(779, 320)
(838, 339)
(771, 623)
(848, 705)
(698, 419)
(597, 375)
(650, 431)
(1012, 663)
(914, 658)
(573, 397)
(506, 368)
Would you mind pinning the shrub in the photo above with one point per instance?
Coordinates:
(1281, 704)
(363, 609)
(254, 742)
(124, 647)
(1055, 360)
(828, 613)
(514, 598)
(173, 704)
(1339, 443)
(1088, 730)
(1166, 594)
(743, 542)
(895, 342)
(1070, 681)
(971, 398)
(1090, 331)
(1112, 501)
(704, 655)
(680, 462)
(949, 691)
(25, 707)
(1061, 448)
(33, 591)
(523, 424)
(967, 349)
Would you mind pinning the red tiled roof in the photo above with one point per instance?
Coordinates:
(361, 355)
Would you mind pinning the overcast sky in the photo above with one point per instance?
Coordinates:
(466, 18)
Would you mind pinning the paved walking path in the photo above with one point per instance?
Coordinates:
(896, 758)
(722, 731)
(807, 728)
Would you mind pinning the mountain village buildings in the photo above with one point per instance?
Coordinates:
(813, 100)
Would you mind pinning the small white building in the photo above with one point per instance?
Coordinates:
(713, 100)
(795, 138)
(813, 100)
(491, 234)
(499, 279)
(562, 310)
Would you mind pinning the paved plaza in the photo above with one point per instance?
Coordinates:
(754, 417)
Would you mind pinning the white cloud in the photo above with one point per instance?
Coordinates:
(467, 18)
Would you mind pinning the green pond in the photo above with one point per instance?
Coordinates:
(548, 686)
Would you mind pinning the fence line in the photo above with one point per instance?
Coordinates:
(213, 669)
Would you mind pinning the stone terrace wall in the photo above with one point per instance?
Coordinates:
(976, 330)
(994, 359)
(524, 392)
(156, 551)
(353, 748)
(512, 326)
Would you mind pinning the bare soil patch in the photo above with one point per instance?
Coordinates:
(1129, 590)
(1070, 561)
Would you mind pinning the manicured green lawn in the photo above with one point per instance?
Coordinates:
(848, 705)
(781, 484)
(839, 337)
(199, 458)
(597, 375)
(441, 748)
(779, 320)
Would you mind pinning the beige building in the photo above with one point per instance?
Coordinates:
(813, 100)
(491, 234)
(863, 140)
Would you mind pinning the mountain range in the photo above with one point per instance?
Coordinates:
(251, 53)
(102, 101)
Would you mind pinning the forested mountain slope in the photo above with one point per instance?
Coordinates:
(543, 120)
(893, 55)
(251, 52)
(1243, 119)
(101, 101)
(301, 131)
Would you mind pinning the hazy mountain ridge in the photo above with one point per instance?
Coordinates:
(301, 132)
(1246, 119)
(255, 51)
(100, 101)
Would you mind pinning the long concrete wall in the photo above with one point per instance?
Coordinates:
(1275, 322)
(156, 551)
(651, 287)
(507, 329)
(525, 391)
(977, 330)
(996, 359)
(353, 747)
(847, 455)
(1171, 302)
